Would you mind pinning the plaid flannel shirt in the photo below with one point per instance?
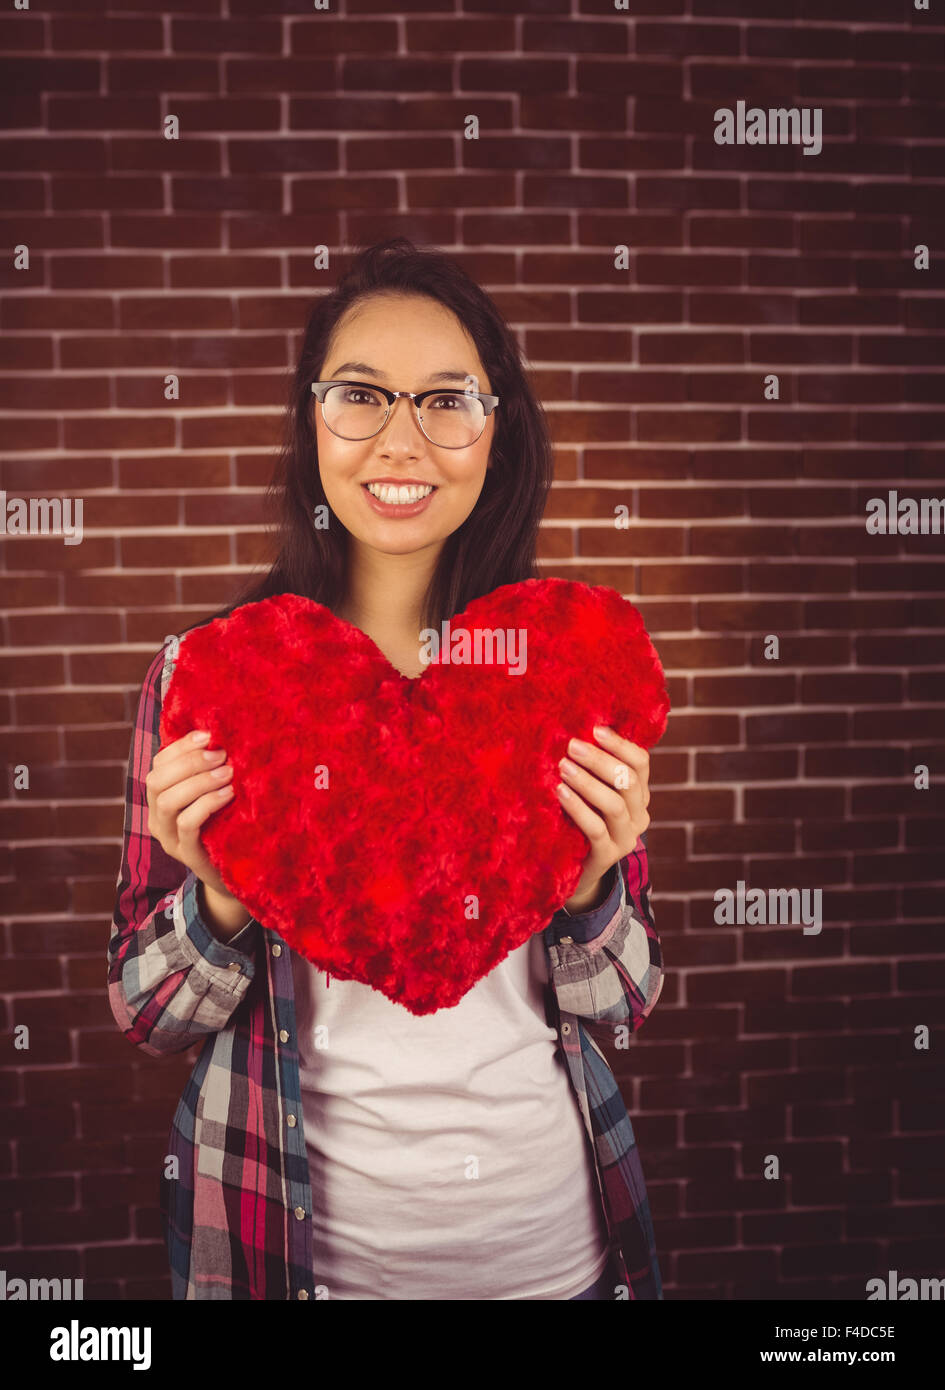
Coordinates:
(237, 1215)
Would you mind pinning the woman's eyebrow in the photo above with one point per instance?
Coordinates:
(365, 370)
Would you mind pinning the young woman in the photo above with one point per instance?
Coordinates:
(329, 1143)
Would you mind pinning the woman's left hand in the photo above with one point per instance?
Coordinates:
(606, 794)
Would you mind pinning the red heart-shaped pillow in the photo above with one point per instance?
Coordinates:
(407, 833)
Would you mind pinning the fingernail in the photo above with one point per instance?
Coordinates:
(602, 731)
(202, 737)
(563, 791)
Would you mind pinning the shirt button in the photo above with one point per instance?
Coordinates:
(303, 1293)
(283, 1035)
(300, 1213)
(277, 949)
(290, 1121)
(565, 1027)
(234, 965)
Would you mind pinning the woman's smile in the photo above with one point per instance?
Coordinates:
(406, 500)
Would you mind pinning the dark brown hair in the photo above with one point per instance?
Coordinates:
(496, 543)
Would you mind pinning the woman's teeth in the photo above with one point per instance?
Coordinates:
(387, 492)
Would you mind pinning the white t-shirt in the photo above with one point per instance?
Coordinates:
(448, 1156)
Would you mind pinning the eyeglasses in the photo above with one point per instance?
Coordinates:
(449, 419)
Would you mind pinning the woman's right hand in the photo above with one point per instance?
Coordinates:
(185, 786)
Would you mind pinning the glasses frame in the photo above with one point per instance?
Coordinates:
(320, 390)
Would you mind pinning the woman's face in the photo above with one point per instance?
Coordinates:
(403, 342)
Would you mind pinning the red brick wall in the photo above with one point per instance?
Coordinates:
(194, 256)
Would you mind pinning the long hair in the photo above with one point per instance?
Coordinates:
(496, 544)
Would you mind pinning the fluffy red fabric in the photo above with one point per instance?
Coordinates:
(407, 833)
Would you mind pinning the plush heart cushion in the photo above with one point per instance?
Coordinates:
(406, 833)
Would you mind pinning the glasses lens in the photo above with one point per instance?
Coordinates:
(354, 412)
(452, 419)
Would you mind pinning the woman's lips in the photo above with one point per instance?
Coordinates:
(402, 509)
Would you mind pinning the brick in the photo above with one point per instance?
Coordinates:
(689, 270)
(113, 112)
(97, 745)
(230, 194)
(804, 349)
(367, 113)
(43, 232)
(235, 431)
(597, 152)
(352, 35)
(754, 839)
(72, 392)
(166, 156)
(747, 765)
(774, 688)
(21, 110)
(31, 669)
(520, 75)
(30, 591)
(363, 230)
(689, 347)
(870, 835)
(200, 114)
(686, 193)
(175, 74)
(149, 552)
(659, 463)
(19, 34)
(180, 313)
(557, 36)
(23, 155)
(212, 35)
(290, 75)
(113, 193)
(689, 425)
(50, 312)
(238, 272)
(310, 195)
(110, 432)
(25, 194)
(731, 308)
(854, 762)
(643, 306)
(50, 74)
(861, 688)
(110, 32)
(106, 271)
(765, 233)
(175, 471)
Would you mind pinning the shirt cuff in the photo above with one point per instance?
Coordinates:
(584, 926)
(239, 950)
